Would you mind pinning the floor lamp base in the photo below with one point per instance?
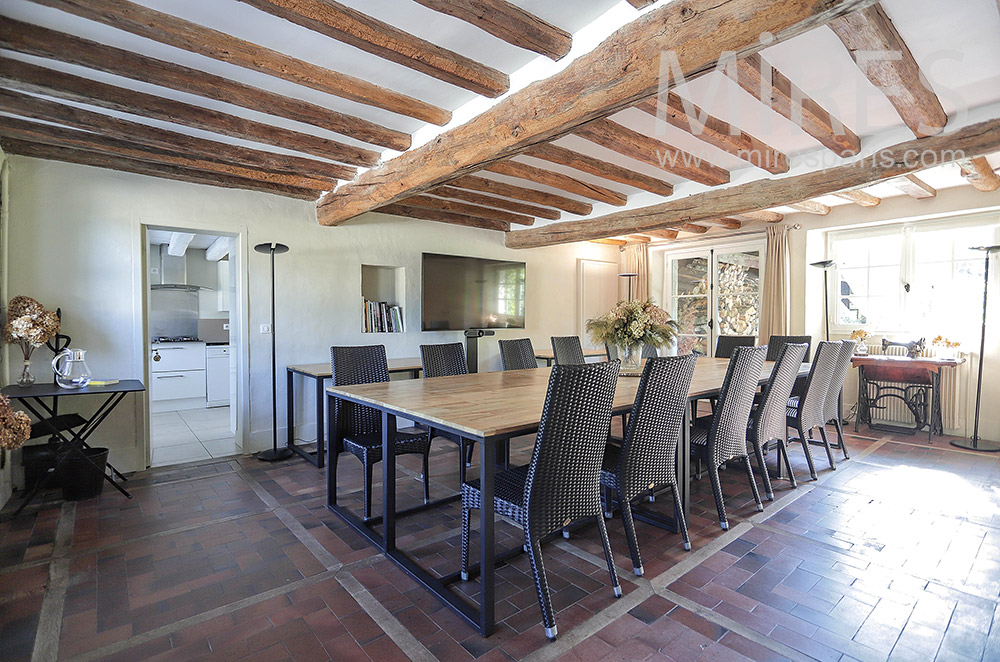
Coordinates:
(981, 445)
(275, 454)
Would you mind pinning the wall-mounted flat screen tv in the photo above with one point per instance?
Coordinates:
(471, 293)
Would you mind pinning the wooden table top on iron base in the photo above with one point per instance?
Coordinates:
(929, 363)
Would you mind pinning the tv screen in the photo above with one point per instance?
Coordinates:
(471, 293)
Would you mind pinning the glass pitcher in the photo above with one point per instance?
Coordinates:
(71, 369)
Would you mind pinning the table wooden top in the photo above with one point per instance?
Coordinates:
(921, 362)
(549, 355)
(322, 370)
(501, 404)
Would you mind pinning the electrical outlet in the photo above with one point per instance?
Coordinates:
(265, 328)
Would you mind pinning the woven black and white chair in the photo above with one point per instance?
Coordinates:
(647, 457)
(767, 423)
(446, 360)
(567, 350)
(517, 354)
(832, 407)
(725, 345)
(360, 426)
(805, 410)
(725, 438)
(775, 343)
(562, 482)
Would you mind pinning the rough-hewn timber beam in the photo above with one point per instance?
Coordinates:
(11, 127)
(98, 160)
(730, 223)
(35, 40)
(428, 202)
(654, 152)
(760, 216)
(599, 168)
(883, 56)
(559, 181)
(637, 239)
(980, 174)
(915, 187)
(693, 228)
(189, 36)
(617, 74)
(610, 242)
(639, 4)
(889, 163)
(774, 89)
(662, 234)
(32, 78)
(37, 108)
(860, 198)
(715, 132)
(484, 185)
(508, 22)
(388, 42)
(500, 203)
(409, 211)
(811, 207)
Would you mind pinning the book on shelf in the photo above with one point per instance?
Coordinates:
(382, 317)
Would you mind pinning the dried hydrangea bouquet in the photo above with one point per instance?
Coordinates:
(632, 324)
(28, 325)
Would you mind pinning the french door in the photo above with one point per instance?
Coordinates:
(715, 292)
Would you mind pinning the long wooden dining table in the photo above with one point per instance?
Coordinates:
(489, 408)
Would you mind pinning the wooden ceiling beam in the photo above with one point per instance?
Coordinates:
(693, 228)
(219, 249)
(599, 168)
(559, 181)
(441, 216)
(882, 55)
(188, 36)
(428, 202)
(47, 134)
(122, 164)
(772, 88)
(662, 234)
(350, 26)
(508, 22)
(640, 4)
(915, 187)
(718, 133)
(637, 239)
(484, 185)
(37, 108)
(617, 74)
(762, 216)
(980, 174)
(651, 151)
(609, 241)
(42, 42)
(41, 80)
(811, 207)
(860, 198)
(729, 223)
(500, 203)
(888, 163)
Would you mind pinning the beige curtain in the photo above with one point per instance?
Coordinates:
(776, 308)
(634, 259)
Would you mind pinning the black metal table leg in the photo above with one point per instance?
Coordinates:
(486, 543)
(320, 449)
(388, 482)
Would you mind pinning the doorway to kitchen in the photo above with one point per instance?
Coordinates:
(193, 345)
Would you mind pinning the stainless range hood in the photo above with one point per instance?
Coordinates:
(173, 273)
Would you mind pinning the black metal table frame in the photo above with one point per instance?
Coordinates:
(317, 457)
(492, 453)
(77, 443)
(932, 410)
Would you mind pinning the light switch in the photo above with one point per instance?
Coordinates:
(265, 328)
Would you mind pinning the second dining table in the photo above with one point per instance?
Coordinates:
(489, 408)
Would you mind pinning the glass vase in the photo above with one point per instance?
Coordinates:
(630, 356)
(27, 379)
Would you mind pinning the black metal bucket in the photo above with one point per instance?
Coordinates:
(80, 479)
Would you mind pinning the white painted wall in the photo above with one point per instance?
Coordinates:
(75, 242)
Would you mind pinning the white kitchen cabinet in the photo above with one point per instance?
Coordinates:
(217, 375)
(174, 356)
(177, 385)
(177, 376)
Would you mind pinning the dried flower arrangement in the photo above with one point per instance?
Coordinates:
(631, 323)
(941, 341)
(15, 426)
(859, 335)
(29, 326)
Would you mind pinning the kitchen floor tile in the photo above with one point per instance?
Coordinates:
(172, 435)
(222, 447)
(213, 417)
(211, 433)
(177, 454)
(166, 418)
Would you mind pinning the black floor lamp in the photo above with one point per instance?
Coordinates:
(977, 444)
(825, 266)
(630, 275)
(275, 454)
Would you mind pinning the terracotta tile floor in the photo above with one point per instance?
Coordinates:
(894, 556)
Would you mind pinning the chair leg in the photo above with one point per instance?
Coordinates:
(608, 556)
(753, 484)
(679, 516)
(713, 475)
(805, 447)
(368, 490)
(608, 496)
(633, 541)
(697, 468)
(783, 454)
(468, 460)
(461, 465)
(465, 543)
(826, 444)
(840, 438)
(427, 475)
(759, 453)
(542, 588)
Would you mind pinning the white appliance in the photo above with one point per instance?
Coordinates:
(177, 376)
(217, 375)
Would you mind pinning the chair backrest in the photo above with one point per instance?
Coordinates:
(567, 350)
(364, 364)
(775, 343)
(443, 360)
(649, 450)
(768, 421)
(517, 354)
(725, 345)
(831, 409)
(727, 438)
(564, 475)
(812, 402)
